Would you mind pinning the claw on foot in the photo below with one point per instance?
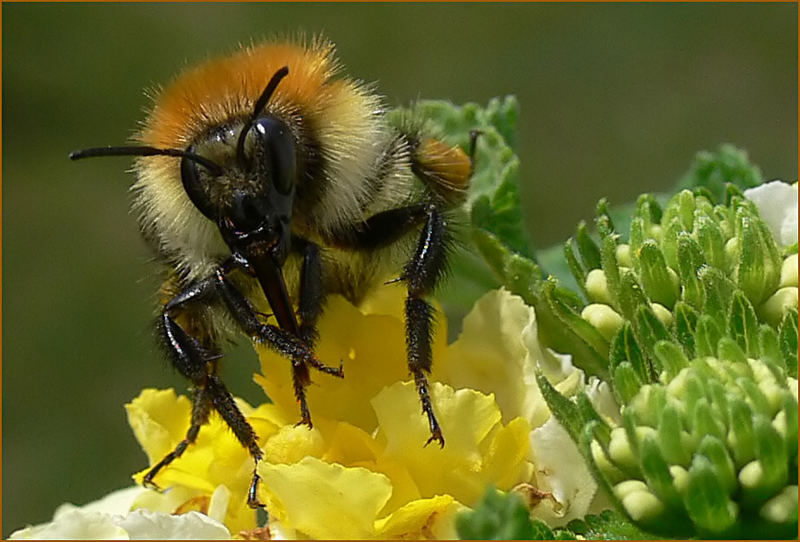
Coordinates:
(305, 420)
(148, 483)
(435, 436)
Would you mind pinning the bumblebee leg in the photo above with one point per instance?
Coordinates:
(280, 340)
(201, 408)
(226, 407)
(197, 363)
(312, 295)
(421, 274)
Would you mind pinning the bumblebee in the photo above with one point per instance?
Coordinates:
(266, 180)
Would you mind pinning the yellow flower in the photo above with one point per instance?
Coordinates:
(363, 470)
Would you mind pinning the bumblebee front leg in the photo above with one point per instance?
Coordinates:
(280, 340)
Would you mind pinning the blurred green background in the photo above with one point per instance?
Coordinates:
(616, 99)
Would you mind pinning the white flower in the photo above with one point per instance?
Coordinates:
(110, 519)
(777, 205)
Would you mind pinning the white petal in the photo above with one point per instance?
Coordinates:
(117, 502)
(777, 204)
(560, 469)
(74, 524)
(146, 525)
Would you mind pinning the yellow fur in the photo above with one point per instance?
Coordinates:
(344, 114)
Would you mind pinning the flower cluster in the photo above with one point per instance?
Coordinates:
(362, 471)
(675, 400)
(698, 315)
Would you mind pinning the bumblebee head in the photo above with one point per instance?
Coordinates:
(241, 176)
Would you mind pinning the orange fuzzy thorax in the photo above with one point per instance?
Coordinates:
(225, 87)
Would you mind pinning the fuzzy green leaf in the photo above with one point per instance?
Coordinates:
(714, 170)
(787, 333)
(608, 525)
(500, 516)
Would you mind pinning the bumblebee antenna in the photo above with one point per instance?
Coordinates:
(146, 151)
(259, 105)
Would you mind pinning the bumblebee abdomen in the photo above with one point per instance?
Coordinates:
(444, 168)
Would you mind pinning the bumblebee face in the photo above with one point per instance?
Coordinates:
(251, 194)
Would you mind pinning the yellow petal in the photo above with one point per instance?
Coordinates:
(372, 350)
(323, 500)
(292, 443)
(467, 417)
(423, 519)
(497, 352)
(350, 445)
(159, 419)
(505, 461)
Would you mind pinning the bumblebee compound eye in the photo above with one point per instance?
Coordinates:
(195, 178)
(275, 157)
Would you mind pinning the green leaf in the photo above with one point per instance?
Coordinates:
(787, 332)
(660, 285)
(589, 251)
(715, 451)
(670, 357)
(743, 323)
(718, 291)
(769, 351)
(524, 278)
(758, 270)
(742, 439)
(608, 525)
(713, 170)
(648, 330)
(685, 324)
(583, 330)
(575, 266)
(706, 500)
(656, 473)
(500, 516)
(690, 261)
(711, 241)
(670, 433)
(625, 347)
(564, 410)
(625, 382)
(706, 336)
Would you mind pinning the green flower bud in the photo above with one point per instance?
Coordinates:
(607, 321)
(789, 271)
(778, 304)
(597, 287)
(782, 508)
(640, 503)
(601, 460)
(758, 271)
(623, 254)
(619, 450)
(662, 313)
